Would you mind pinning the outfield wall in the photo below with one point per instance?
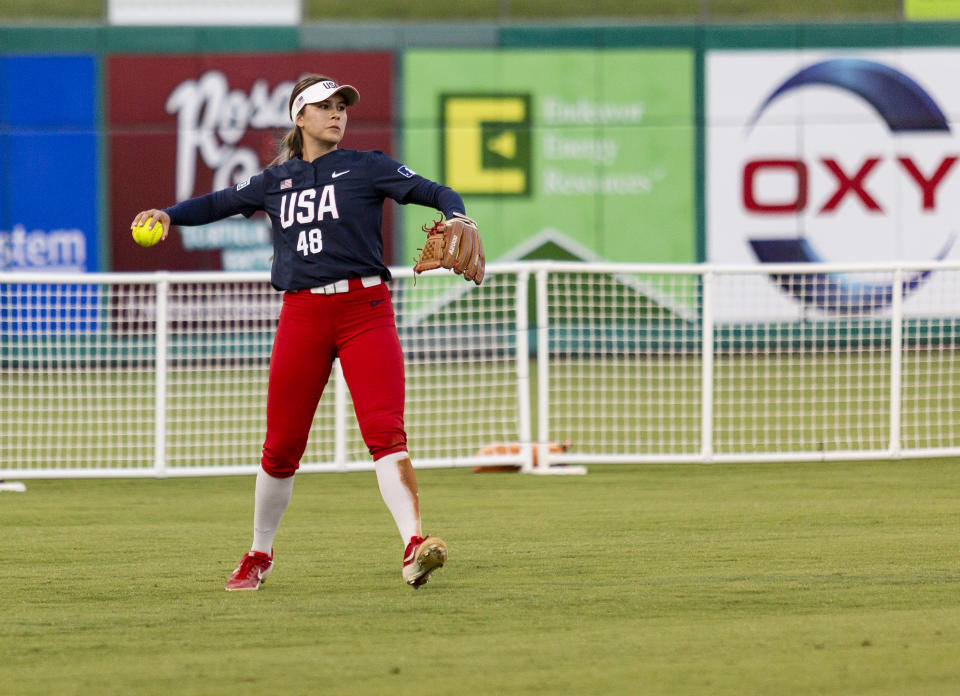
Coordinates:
(675, 143)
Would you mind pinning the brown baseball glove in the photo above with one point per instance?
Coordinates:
(453, 244)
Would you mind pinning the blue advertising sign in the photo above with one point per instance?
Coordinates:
(49, 178)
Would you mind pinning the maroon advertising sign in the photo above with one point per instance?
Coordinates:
(183, 126)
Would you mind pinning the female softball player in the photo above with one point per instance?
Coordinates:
(325, 205)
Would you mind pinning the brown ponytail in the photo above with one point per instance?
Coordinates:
(291, 145)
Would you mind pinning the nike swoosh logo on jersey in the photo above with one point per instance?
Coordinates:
(374, 303)
(334, 175)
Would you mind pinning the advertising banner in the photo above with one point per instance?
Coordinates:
(183, 126)
(582, 153)
(205, 12)
(836, 157)
(931, 9)
(49, 179)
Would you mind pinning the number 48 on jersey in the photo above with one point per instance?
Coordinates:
(310, 241)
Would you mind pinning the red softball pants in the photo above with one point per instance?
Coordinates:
(359, 328)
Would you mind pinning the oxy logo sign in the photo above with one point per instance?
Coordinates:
(841, 159)
(904, 106)
(486, 143)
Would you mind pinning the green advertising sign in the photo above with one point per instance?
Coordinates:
(559, 153)
(931, 9)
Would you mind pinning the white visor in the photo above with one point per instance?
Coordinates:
(320, 91)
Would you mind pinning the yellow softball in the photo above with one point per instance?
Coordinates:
(147, 236)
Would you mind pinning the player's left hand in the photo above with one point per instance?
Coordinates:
(463, 251)
(453, 244)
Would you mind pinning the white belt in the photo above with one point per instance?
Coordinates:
(344, 285)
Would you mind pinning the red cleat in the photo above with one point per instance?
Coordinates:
(254, 568)
(421, 558)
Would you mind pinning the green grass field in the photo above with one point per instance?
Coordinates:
(740, 579)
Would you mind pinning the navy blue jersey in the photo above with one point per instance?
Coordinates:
(325, 214)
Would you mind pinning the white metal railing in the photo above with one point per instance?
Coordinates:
(920, 342)
(164, 374)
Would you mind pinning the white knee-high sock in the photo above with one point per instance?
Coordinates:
(399, 492)
(270, 502)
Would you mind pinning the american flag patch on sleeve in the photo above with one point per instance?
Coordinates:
(286, 183)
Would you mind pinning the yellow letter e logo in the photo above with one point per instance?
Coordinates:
(486, 143)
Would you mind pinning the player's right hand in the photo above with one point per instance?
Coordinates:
(156, 215)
